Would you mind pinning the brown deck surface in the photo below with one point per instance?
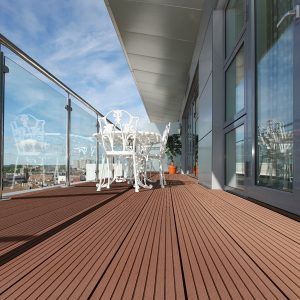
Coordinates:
(27, 217)
(183, 241)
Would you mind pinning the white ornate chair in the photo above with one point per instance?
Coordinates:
(160, 156)
(119, 143)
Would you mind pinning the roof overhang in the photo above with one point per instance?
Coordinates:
(158, 38)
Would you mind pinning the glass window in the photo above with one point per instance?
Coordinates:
(274, 81)
(83, 144)
(234, 23)
(235, 160)
(235, 86)
(35, 132)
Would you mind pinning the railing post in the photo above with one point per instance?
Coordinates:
(97, 151)
(3, 70)
(1, 119)
(68, 107)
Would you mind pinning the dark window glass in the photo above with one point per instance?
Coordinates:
(235, 86)
(235, 160)
(274, 65)
(234, 23)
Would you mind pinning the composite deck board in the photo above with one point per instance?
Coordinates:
(184, 241)
(54, 208)
(234, 271)
(280, 223)
(279, 270)
(44, 253)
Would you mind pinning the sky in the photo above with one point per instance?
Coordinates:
(76, 41)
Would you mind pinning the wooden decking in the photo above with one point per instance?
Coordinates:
(183, 241)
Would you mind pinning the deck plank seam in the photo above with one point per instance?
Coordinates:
(186, 221)
(252, 247)
(5, 258)
(150, 243)
(238, 244)
(247, 263)
(159, 245)
(217, 252)
(45, 223)
(95, 251)
(116, 252)
(147, 226)
(47, 212)
(268, 240)
(148, 229)
(106, 248)
(61, 256)
(70, 230)
(177, 239)
(202, 254)
(61, 247)
(179, 288)
(221, 248)
(257, 219)
(141, 216)
(153, 248)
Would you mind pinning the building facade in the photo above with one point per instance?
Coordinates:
(229, 71)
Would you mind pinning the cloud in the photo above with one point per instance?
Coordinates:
(75, 40)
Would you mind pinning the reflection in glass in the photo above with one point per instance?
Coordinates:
(83, 144)
(235, 91)
(34, 139)
(274, 48)
(234, 23)
(235, 160)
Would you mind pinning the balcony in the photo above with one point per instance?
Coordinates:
(60, 239)
(184, 241)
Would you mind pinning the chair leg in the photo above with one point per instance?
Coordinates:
(161, 174)
(99, 184)
(164, 177)
(136, 185)
(108, 171)
(145, 171)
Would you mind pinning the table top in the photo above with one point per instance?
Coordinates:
(143, 137)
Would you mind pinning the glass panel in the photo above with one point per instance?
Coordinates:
(235, 90)
(35, 127)
(82, 144)
(234, 23)
(235, 160)
(274, 48)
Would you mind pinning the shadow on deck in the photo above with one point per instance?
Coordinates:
(183, 241)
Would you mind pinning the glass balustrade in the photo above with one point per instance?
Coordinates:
(35, 131)
(35, 135)
(83, 144)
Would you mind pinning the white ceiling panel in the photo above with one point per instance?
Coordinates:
(161, 79)
(146, 18)
(157, 65)
(157, 47)
(193, 4)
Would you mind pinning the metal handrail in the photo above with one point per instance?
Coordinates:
(15, 49)
(69, 92)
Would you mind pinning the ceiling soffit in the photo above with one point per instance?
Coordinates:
(158, 37)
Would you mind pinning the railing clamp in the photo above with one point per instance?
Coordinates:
(68, 108)
(5, 69)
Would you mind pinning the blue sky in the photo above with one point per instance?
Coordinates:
(76, 41)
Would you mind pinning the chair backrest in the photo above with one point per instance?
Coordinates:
(164, 139)
(121, 135)
(29, 134)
